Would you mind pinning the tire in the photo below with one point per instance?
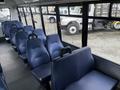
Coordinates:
(116, 25)
(52, 20)
(73, 28)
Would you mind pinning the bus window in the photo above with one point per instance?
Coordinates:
(44, 10)
(75, 10)
(36, 16)
(100, 10)
(4, 16)
(28, 15)
(22, 16)
(104, 39)
(63, 10)
(49, 20)
(50, 24)
(71, 26)
(51, 10)
(116, 10)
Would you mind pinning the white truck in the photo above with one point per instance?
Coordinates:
(73, 25)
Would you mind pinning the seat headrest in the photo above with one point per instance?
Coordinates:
(53, 38)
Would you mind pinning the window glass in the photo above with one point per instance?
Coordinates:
(36, 16)
(76, 10)
(51, 10)
(63, 10)
(44, 10)
(50, 24)
(99, 9)
(104, 39)
(116, 10)
(22, 16)
(71, 28)
(28, 15)
(4, 16)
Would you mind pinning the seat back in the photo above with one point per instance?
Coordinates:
(41, 35)
(36, 52)
(15, 26)
(54, 45)
(28, 29)
(71, 68)
(12, 25)
(12, 33)
(6, 27)
(21, 41)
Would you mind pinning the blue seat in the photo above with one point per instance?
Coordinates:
(7, 25)
(14, 28)
(3, 85)
(76, 72)
(54, 45)
(28, 29)
(6, 28)
(41, 35)
(21, 42)
(36, 52)
(13, 31)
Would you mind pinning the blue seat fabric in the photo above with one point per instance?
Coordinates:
(21, 42)
(41, 35)
(36, 53)
(93, 81)
(54, 45)
(28, 29)
(76, 72)
(7, 25)
(42, 72)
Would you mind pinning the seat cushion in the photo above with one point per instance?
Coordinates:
(93, 81)
(42, 72)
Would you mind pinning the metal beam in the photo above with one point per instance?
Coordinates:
(42, 19)
(58, 22)
(32, 17)
(24, 16)
(85, 24)
(19, 15)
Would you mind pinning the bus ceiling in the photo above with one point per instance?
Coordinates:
(14, 3)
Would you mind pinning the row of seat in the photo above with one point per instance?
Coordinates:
(38, 49)
(72, 71)
(8, 25)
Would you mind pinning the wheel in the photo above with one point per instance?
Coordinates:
(52, 20)
(116, 25)
(73, 28)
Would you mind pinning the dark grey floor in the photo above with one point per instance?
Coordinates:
(17, 74)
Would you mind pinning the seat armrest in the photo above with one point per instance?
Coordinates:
(65, 50)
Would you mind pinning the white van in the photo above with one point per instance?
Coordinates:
(73, 25)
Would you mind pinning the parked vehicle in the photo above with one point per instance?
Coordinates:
(73, 25)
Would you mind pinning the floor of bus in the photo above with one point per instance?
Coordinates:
(17, 74)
